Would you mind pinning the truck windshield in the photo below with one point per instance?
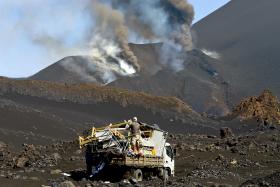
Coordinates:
(169, 151)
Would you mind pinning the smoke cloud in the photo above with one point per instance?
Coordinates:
(111, 26)
(166, 21)
(212, 54)
(161, 19)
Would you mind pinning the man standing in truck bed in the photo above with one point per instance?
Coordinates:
(135, 135)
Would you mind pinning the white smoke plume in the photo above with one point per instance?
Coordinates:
(111, 25)
(103, 65)
(167, 21)
(212, 54)
(95, 42)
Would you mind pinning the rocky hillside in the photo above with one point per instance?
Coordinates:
(202, 160)
(265, 108)
(93, 94)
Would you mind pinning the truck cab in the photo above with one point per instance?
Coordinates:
(169, 159)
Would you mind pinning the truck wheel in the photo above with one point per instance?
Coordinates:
(165, 176)
(138, 175)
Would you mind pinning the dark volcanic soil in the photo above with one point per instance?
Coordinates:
(201, 161)
(47, 114)
(40, 112)
(197, 84)
(246, 35)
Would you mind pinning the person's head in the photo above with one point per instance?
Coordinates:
(134, 119)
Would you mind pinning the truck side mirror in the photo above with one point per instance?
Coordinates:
(174, 152)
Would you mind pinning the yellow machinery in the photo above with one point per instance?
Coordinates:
(118, 136)
(90, 136)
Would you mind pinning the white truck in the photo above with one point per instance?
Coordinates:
(109, 154)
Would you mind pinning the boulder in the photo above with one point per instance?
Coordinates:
(66, 184)
(21, 162)
(226, 132)
(55, 171)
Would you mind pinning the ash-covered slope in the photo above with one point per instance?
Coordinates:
(80, 69)
(86, 69)
(57, 72)
(246, 35)
(37, 111)
(198, 84)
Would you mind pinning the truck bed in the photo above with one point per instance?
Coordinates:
(142, 161)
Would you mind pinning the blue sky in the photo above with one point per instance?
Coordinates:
(23, 23)
(205, 7)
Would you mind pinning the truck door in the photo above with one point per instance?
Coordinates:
(169, 159)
